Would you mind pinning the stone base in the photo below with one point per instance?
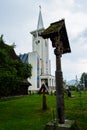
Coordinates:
(54, 125)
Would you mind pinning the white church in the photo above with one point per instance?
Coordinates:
(39, 59)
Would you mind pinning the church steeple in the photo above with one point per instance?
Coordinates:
(40, 20)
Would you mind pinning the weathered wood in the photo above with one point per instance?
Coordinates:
(44, 105)
(44, 90)
(58, 35)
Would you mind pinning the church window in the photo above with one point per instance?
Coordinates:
(35, 35)
(37, 42)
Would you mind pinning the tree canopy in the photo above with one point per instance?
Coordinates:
(12, 69)
(83, 79)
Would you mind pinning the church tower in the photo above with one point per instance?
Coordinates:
(39, 59)
(41, 46)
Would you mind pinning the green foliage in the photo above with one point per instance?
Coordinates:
(74, 126)
(84, 79)
(12, 69)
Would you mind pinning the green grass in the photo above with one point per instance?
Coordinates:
(25, 113)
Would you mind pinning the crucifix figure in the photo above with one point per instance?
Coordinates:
(58, 35)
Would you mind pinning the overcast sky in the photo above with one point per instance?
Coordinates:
(19, 17)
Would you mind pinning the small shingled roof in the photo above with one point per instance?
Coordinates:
(55, 29)
(44, 89)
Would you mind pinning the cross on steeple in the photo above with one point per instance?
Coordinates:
(40, 20)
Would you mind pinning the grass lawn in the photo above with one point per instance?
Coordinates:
(25, 113)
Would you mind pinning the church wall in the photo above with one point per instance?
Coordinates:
(49, 64)
(35, 79)
(41, 46)
(46, 57)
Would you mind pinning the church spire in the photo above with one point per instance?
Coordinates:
(40, 20)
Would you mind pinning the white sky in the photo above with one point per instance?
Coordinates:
(19, 17)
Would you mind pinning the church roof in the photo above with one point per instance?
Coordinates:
(8, 48)
(24, 57)
(40, 20)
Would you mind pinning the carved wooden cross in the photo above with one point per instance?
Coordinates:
(58, 35)
(44, 90)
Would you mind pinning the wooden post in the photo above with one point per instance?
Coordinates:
(44, 107)
(59, 81)
(43, 90)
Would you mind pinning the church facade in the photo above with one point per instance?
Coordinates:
(39, 59)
